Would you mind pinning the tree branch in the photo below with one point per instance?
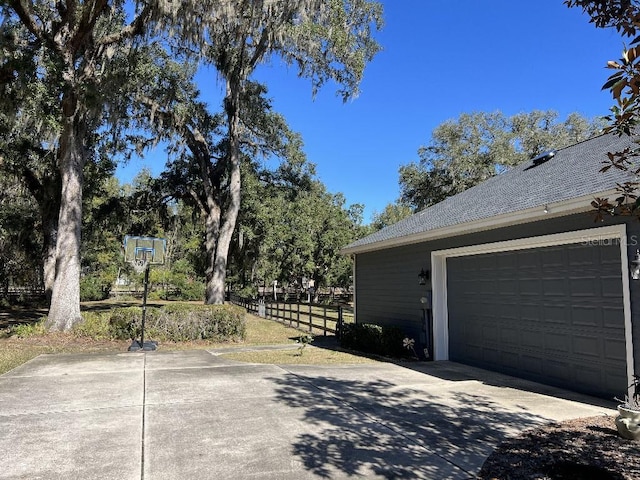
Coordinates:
(136, 27)
(24, 10)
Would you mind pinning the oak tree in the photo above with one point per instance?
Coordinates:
(479, 145)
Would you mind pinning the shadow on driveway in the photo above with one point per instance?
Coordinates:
(431, 429)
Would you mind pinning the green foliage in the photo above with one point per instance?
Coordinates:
(93, 287)
(376, 339)
(199, 322)
(181, 322)
(479, 145)
(295, 230)
(125, 323)
(24, 330)
(623, 81)
(392, 213)
(94, 325)
(20, 242)
(93, 72)
(248, 291)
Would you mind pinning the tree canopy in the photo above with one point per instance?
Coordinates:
(479, 145)
(85, 81)
(624, 85)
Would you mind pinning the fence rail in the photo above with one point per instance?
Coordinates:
(312, 317)
(22, 294)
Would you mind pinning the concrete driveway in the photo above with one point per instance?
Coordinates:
(196, 415)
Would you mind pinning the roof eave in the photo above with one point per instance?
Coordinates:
(556, 209)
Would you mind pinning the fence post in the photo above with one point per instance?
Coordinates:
(298, 314)
(290, 314)
(339, 324)
(324, 316)
(310, 319)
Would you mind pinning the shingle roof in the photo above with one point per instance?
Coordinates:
(572, 173)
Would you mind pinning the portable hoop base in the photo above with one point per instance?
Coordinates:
(148, 346)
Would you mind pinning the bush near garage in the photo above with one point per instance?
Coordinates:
(376, 339)
(181, 322)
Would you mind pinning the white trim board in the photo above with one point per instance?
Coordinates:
(439, 278)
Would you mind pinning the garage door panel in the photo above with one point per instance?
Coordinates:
(554, 287)
(611, 255)
(510, 336)
(529, 286)
(584, 286)
(610, 286)
(557, 342)
(555, 314)
(527, 260)
(585, 375)
(551, 314)
(534, 342)
(508, 286)
(587, 346)
(555, 258)
(588, 316)
(532, 365)
(614, 350)
(557, 371)
(579, 256)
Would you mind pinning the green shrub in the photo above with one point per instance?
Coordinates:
(248, 291)
(30, 329)
(376, 339)
(93, 288)
(94, 325)
(126, 323)
(181, 322)
(157, 295)
(189, 291)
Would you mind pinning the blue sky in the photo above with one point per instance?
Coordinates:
(440, 58)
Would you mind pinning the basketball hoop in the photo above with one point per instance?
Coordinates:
(139, 265)
(141, 253)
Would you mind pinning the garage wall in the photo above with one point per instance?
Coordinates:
(387, 290)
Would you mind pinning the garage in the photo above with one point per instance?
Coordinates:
(553, 314)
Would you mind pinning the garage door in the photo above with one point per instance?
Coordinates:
(553, 315)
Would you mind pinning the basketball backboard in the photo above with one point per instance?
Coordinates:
(150, 250)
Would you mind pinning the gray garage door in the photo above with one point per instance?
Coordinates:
(553, 315)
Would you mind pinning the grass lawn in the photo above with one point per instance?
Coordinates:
(309, 356)
(15, 350)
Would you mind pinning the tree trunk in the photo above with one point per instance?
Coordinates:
(212, 232)
(217, 271)
(64, 310)
(49, 261)
(50, 217)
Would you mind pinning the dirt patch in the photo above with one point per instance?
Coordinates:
(585, 448)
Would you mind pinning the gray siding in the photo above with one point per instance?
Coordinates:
(387, 290)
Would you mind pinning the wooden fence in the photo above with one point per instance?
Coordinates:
(312, 317)
(22, 294)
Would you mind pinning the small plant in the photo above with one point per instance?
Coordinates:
(409, 344)
(632, 402)
(303, 340)
(29, 329)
